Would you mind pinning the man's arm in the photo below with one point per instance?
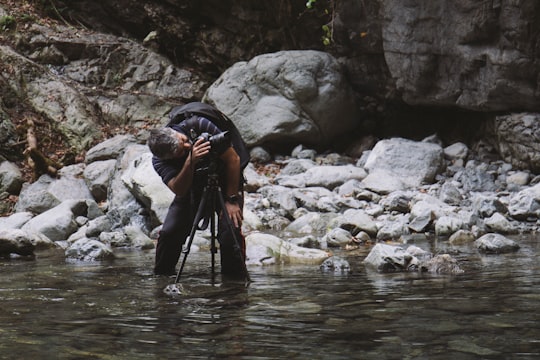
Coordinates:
(232, 170)
(181, 183)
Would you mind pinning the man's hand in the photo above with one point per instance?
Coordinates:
(235, 213)
(200, 149)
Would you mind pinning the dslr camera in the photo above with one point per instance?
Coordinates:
(218, 143)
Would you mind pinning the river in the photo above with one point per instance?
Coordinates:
(53, 309)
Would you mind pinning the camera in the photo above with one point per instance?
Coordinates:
(218, 143)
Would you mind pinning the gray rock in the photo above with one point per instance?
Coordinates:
(57, 223)
(297, 166)
(421, 221)
(441, 264)
(338, 237)
(11, 179)
(450, 194)
(447, 225)
(333, 176)
(310, 223)
(15, 221)
(355, 221)
(109, 149)
(335, 264)
(475, 177)
(147, 187)
(259, 155)
(388, 258)
(456, 151)
(525, 204)
(98, 175)
(254, 180)
(496, 243)
(393, 227)
(405, 164)
(486, 205)
(137, 238)
(89, 250)
(16, 241)
(517, 139)
(500, 224)
(294, 96)
(36, 197)
(437, 68)
(461, 237)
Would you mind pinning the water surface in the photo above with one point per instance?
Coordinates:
(50, 309)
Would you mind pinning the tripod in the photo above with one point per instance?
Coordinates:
(211, 202)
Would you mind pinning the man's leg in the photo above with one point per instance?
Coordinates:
(231, 259)
(172, 236)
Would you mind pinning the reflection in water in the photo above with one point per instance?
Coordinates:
(118, 310)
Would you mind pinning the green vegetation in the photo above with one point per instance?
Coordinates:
(7, 23)
(327, 37)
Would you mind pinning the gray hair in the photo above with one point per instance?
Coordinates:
(163, 142)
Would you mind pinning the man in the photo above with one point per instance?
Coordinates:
(179, 153)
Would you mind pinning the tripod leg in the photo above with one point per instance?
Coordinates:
(199, 215)
(236, 241)
(213, 249)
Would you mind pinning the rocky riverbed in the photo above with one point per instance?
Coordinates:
(299, 207)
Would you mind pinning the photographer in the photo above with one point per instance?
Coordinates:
(180, 157)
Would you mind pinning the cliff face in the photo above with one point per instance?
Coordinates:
(465, 54)
(474, 55)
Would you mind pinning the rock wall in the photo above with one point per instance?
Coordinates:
(475, 55)
(481, 56)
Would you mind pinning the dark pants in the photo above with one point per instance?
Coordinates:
(177, 227)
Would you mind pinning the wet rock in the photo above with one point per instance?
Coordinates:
(335, 264)
(89, 250)
(269, 249)
(388, 258)
(441, 264)
(338, 237)
(137, 238)
(16, 241)
(461, 237)
(496, 243)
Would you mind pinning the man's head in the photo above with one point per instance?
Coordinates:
(166, 143)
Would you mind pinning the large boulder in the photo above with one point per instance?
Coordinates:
(146, 185)
(288, 96)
